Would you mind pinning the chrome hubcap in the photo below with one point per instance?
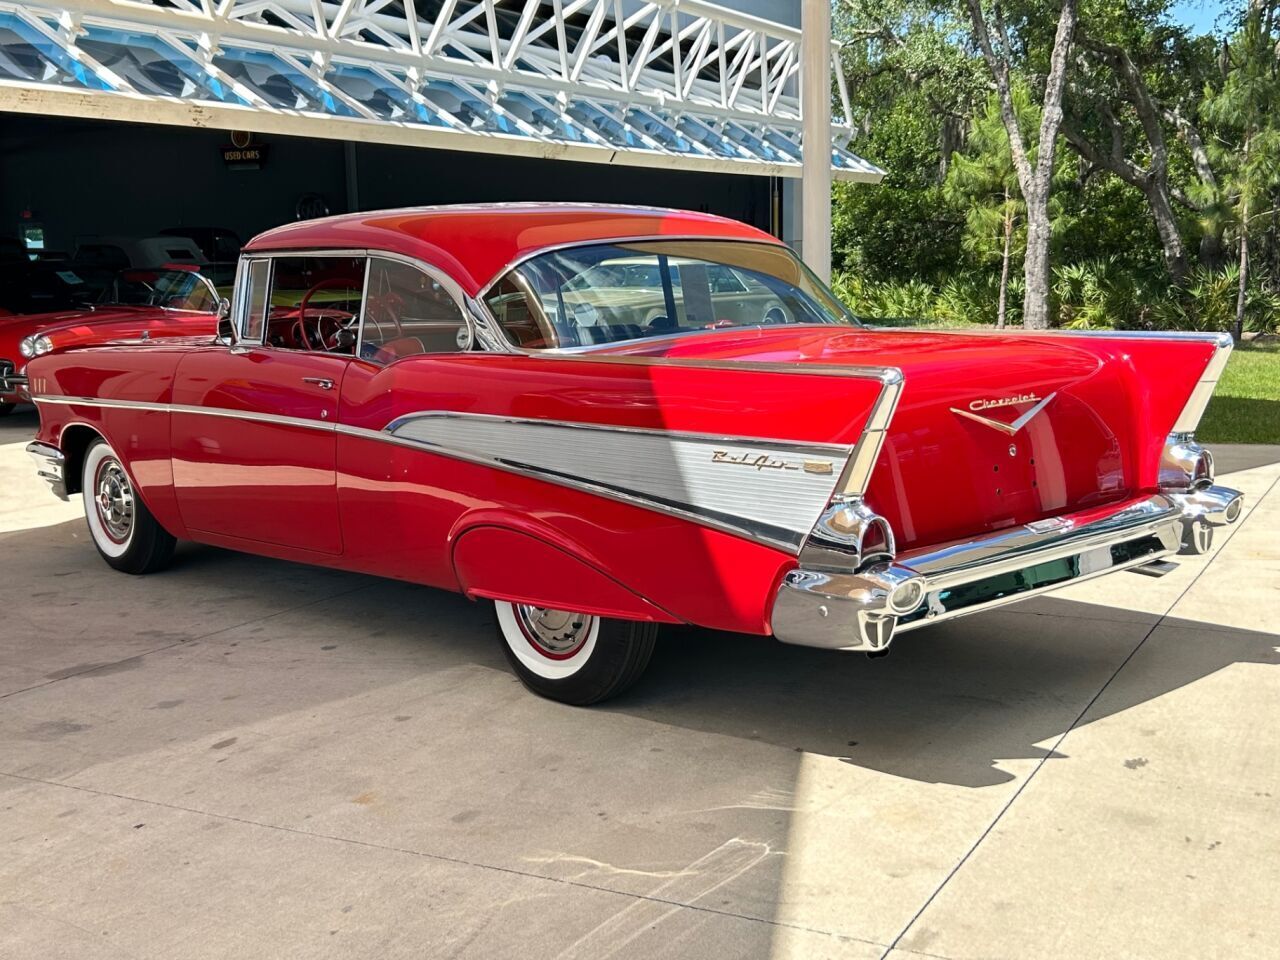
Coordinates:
(114, 500)
(555, 633)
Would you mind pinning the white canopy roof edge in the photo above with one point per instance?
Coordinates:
(670, 83)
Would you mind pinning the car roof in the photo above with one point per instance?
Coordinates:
(473, 243)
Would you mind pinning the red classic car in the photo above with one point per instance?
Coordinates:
(436, 395)
(170, 301)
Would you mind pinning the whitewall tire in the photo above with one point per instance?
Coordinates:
(122, 528)
(575, 658)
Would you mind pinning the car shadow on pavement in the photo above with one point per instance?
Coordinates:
(946, 706)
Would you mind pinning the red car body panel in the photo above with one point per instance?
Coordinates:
(296, 461)
(473, 244)
(77, 328)
(1115, 405)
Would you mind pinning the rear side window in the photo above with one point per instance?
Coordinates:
(407, 311)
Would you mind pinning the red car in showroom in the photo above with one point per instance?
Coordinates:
(145, 304)
(606, 419)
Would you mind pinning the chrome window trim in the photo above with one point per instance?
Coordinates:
(447, 283)
(363, 308)
(438, 274)
(237, 298)
(606, 241)
(482, 296)
(623, 346)
(271, 283)
(245, 306)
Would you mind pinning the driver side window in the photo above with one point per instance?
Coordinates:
(407, 311)
(314, 303)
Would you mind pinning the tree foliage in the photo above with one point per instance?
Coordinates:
(1167, 176)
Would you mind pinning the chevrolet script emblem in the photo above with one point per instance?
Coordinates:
(1009, 428)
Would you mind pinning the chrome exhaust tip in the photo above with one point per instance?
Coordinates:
(1231, 512)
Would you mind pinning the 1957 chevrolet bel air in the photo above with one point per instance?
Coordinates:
(703, 436)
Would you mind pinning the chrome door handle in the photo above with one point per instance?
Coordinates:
(322, 382)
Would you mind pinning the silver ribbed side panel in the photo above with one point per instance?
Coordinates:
(768, 490)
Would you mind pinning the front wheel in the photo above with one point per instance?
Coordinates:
(575, 658)
(123, 529)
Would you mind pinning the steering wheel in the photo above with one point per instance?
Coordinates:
(774, 312)
(326, 326)
(388, 307)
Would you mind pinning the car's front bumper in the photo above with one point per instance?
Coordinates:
(863, 610)
(13, 385)
(50, 466)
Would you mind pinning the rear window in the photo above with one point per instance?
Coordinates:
(618, 292)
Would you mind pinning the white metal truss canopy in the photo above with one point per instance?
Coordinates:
(667, 83)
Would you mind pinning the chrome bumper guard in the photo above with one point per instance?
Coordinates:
(11, 381)
(50, 467)
(863, 610)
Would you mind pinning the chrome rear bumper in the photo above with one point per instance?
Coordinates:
(863, 610)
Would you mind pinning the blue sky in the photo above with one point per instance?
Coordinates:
(1200, 14)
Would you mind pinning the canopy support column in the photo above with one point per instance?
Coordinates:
(815, 112)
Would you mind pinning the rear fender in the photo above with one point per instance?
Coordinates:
(1166, 382)
(500, 563)
(755, 450)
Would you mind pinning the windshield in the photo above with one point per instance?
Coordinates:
(610, 293)
(161, 287)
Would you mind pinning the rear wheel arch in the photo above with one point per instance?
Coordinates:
(500, 562)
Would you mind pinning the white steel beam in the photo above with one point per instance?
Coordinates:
(815, 104)
(693, 59)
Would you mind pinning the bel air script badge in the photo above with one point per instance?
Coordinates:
(761, 461)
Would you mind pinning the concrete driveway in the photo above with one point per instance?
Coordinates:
(246, 758)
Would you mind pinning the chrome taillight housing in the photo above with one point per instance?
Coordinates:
(1185, 465)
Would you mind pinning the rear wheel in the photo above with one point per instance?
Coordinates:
(575, 658)
(123, 529)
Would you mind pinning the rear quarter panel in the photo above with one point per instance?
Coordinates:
(398, 503)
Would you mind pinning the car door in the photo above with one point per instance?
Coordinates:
(254, 443)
